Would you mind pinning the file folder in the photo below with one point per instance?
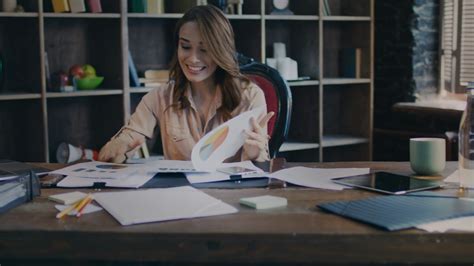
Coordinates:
(400, 212)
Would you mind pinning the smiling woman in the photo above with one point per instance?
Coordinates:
(206, 89)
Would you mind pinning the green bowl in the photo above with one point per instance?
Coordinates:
(89, 83)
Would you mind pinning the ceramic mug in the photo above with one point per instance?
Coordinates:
(427, 155)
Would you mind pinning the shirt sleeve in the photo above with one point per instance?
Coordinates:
(146, 116)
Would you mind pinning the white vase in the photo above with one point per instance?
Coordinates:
(8, 5)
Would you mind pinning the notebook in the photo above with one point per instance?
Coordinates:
(161, 204)
(400, 212)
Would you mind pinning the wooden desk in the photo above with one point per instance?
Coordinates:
(298, 234)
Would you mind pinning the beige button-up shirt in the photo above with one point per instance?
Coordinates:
(181, 129)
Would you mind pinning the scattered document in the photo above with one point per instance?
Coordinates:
(162, 204)
(135, 180)
(223, 142)
(168, 166)
(99, 170)
(316, 177)
(194, 178)
(90, 208)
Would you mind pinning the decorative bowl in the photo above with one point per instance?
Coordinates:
(89, 83)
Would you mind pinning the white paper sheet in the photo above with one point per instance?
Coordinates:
(317, 177)
(223, 141)
(90, 208)
(133, 181)
(98, 170)
(218, 176)
(162, 204)
(456, 224)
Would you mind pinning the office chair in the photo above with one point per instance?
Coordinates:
(278, 98)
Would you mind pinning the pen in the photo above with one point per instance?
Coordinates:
(89, 200)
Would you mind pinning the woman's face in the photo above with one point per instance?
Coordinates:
(193, 57)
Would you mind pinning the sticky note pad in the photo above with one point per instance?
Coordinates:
(264, 202)
(68, 198)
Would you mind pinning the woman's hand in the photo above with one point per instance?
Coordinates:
(256, 144)
(116, 149)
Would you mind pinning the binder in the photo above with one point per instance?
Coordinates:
(17, 191)
(400, 212)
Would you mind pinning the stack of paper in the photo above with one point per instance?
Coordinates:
(154, 205)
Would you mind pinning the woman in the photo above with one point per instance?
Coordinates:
(205, 90)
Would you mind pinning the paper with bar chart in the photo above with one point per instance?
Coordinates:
(223, 141)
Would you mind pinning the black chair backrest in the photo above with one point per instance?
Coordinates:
(278, 97)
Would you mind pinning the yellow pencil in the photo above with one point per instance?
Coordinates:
(89, 200)
(68, 209)
(83, 202)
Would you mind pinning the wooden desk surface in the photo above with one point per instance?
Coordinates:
(297, 234)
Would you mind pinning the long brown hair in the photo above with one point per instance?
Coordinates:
(218, 35)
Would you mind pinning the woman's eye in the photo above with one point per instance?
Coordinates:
(203, 50)
(185, 47)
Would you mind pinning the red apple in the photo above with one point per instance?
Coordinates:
(76, 71)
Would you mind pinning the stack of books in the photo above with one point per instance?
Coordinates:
(154, 78)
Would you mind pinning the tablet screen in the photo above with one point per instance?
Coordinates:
(388, 182)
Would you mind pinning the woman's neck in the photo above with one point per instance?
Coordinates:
(203, 90)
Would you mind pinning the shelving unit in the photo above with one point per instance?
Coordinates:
(332, 115)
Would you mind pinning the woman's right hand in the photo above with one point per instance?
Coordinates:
(116, 149)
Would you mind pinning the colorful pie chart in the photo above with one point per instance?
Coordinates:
(213, 142)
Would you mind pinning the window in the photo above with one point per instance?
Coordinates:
(457, 44)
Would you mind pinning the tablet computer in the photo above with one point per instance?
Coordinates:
(388, 183)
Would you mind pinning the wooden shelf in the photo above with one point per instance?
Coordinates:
(146, 15)
(346, 18)
(19, 14)
(19, 96)
(141, 89)
(303, 83)
(292, 17)
(82, 15)
(297, 146)
(342, 140)
(244, 17)
(83, 93)
(341, 81)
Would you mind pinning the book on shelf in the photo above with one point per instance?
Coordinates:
(94, 6)
(77, 6)
(134, 82)
(137, 6)
(60, 6)
(326, 9)
(155, 6)
(350, 62)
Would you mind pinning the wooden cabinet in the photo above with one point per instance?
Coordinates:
(332, 115)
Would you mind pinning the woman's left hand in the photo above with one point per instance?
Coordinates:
(256, 144)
